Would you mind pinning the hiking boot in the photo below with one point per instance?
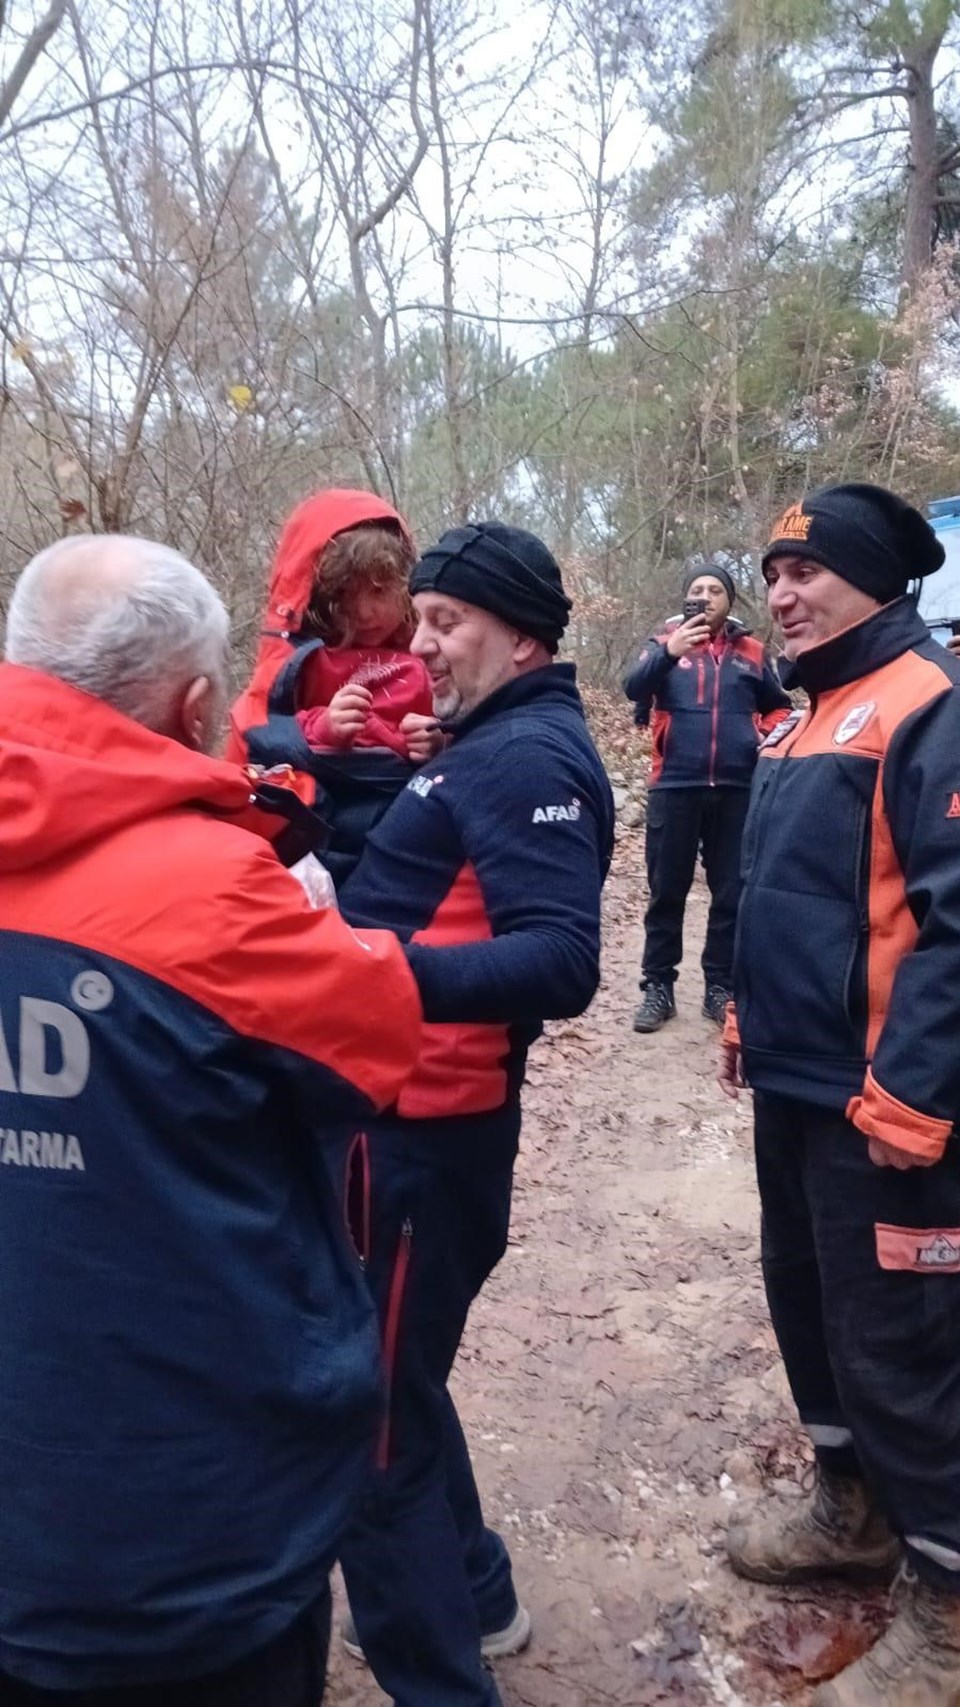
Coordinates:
(656, 1008)
(915, 1664)
(836, 1531)
(715, 1003)
(495, 1645)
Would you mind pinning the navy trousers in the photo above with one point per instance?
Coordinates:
(680, 823)
(289, 1672)
(424, 1575)
(862, 1272)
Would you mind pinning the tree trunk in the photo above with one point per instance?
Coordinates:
(920, 217)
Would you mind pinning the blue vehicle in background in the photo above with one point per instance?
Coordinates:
(939, 601)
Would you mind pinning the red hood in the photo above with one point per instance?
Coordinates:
(312, 526)
(72, 770)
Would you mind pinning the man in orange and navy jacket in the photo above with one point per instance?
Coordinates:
(188, 1356)
(708, 691)
(489, 866)
(847, 1027)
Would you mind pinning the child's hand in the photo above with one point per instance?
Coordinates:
(423, 736)
(348, 712)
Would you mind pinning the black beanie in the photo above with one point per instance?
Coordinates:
(718, 572)
(865, 534)
(504, 570)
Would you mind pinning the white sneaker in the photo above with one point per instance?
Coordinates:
(512, 1639)
(496, 1645)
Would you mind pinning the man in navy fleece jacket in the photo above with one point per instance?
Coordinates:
(489, 866)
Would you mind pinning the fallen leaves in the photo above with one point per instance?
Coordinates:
(804, 1642)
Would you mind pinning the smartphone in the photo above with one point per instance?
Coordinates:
(693, 607)
(955, 627)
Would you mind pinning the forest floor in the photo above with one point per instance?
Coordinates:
(619, 1380)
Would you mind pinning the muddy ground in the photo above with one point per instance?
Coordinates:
(619, 1381)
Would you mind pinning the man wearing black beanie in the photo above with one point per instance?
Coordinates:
(489, 867)
(847, 1028)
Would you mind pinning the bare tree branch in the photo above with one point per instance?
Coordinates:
(36, 43)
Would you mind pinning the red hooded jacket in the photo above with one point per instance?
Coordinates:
(397, 681)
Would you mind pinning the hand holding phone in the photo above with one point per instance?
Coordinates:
(693, 631)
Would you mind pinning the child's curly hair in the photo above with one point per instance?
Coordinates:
(375, 554)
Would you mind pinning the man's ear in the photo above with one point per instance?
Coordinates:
(524, 649)
(194, 714)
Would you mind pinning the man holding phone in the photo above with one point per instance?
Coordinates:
(710, 695)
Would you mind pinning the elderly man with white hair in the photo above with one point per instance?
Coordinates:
(188, 1359)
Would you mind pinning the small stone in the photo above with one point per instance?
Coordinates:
(620, 797)
(742, 1470)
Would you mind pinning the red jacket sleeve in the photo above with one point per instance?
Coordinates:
(282, 973)
(315, 725)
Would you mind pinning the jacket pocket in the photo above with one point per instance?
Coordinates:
(391, 1337)
(801, 961)
(356, 1195)
(855, 985)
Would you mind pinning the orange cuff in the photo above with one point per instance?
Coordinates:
(731, 1030)
(879, 1115)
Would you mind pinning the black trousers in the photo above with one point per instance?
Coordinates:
(289, 1672)
(862, 1271)
(681, 822)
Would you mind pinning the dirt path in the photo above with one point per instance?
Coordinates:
(619, 1381)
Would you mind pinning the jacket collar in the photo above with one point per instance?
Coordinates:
(73, 771)
(857, 651)
(553, 681)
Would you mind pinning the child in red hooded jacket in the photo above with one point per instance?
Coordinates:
(337, 700)
(364, 688)
(340, 577)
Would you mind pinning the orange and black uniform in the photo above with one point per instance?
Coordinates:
(847, 991)
(708, 713)
(188, 1378)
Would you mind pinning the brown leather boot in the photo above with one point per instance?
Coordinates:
(915, 1664)
(836, 1531)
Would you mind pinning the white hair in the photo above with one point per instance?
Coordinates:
(127, 620)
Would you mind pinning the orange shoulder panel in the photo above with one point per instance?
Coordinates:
(863, 716)
(206, 908)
